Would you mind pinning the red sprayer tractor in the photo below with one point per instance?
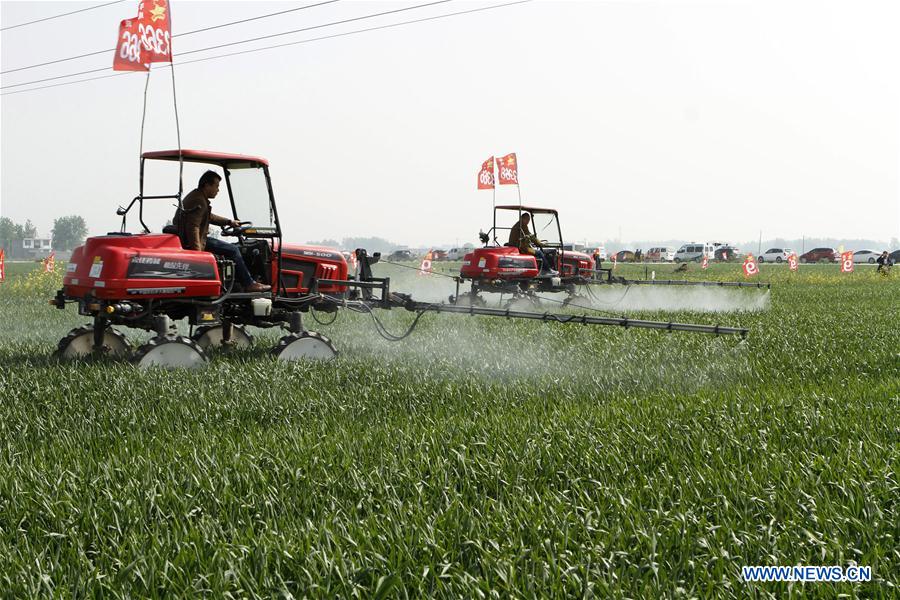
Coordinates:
(148, 281)
(500, 267)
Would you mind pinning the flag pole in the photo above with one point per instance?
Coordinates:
(178, 135)
(177, 125)
(518, 187)
(144, 117)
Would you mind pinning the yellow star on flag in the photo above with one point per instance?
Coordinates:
(158, 12)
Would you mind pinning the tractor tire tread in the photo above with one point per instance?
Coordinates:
(89, 330)
(168, 339)
(287, 340)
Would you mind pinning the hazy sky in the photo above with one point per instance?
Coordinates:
(688, 120)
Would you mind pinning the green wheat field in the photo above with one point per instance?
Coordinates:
(478, 458)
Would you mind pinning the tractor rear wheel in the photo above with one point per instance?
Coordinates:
(306, 345)
(170, 352)
(210, 337)
(79, 343)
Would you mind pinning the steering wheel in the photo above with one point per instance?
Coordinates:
(237, 231)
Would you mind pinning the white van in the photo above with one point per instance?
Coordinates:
(695, 251)
(660, 254)
(459, 253)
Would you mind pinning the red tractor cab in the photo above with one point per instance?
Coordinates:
(500, 267)
(147, 280)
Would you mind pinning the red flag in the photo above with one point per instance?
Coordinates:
(508, 169)
(425, 267)
(486, 175)
(155, 30)
(793, 262)
(847, 262)
(705, 263)
(2, 267)
(750, 268)
(129, 56)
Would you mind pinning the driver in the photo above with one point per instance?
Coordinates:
(527, 243)
(192, 221)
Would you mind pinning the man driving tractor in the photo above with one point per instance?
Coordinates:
(528, 243)
(192, 221)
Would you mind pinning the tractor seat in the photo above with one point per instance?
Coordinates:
(170, 229)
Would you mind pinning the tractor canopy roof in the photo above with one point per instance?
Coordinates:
(530, 209)
(223, 159)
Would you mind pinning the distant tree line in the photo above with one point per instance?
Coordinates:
(372, 244)
(68, 232)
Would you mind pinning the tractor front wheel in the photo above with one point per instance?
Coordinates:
(524, 303)
(471, 299)
(576, 301)
(170, 352)
(306, 345)
(212, 337)
(79, 343)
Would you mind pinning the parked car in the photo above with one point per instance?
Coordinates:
(727, 253)
(694, 251)
(865, 256)
(895, 256)
(400, 255)
(459, 253)
(624, 256)
(777, 255)
(660, 254)
(820, 255)
(438, 255)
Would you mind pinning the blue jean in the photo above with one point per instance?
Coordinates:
(545, 260)
(233, 253)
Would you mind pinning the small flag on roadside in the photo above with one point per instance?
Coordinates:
(614, 261)
(2, 267)
(793, 263)
(486, 175)
(750, 267)
(508, 168)
(425, 267)
(847, 262)
(50, 263)
(705, 263)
